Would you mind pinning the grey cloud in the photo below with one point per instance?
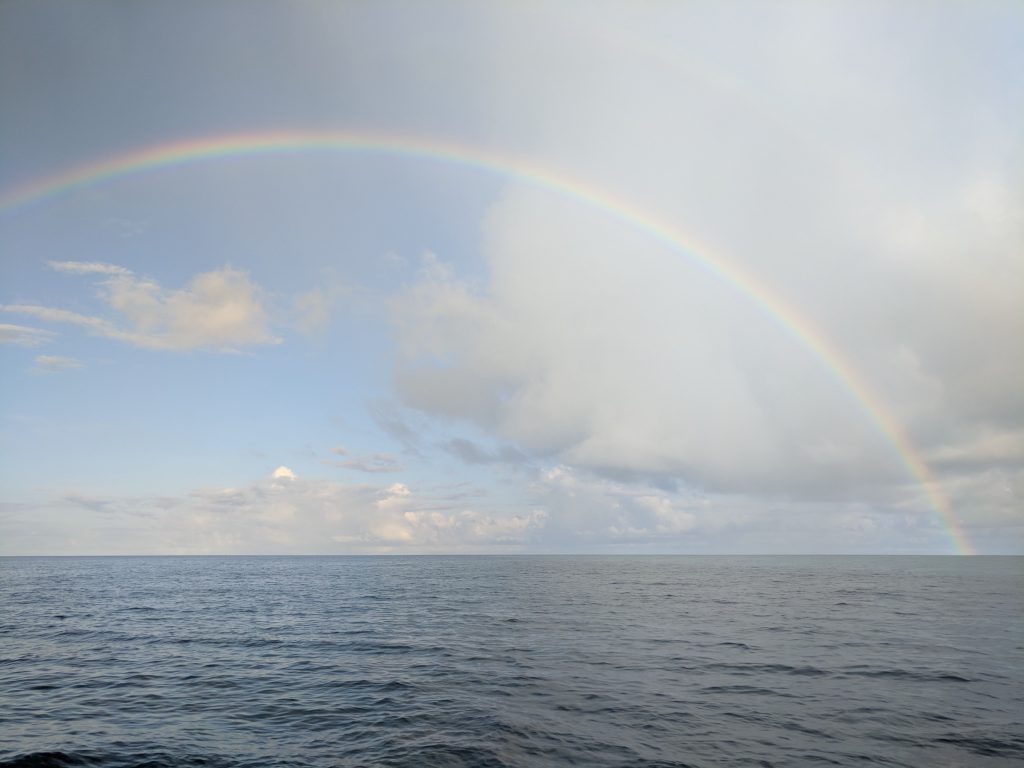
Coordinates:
(591, 342)
(471, 453)
(590, 513)
(374, 464)
(389, 418)
(126, 506)
(94, 503)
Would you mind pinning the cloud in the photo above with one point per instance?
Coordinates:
(561, 509)
(24, 336)
(375, 463)
(56, 364)
(288, 514)
(312, 311)
(991, 446)
(92, 503)
(94, 325)
(280, 478)
(471, 453)
(219, 310)
(589, 342)
(388, 416)
(588, 512)
(88, 268)
(282, 473)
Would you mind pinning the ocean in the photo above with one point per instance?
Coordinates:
(511, 661)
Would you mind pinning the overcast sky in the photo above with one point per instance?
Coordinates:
(354, 352)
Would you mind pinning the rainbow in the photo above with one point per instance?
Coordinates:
(294, 141)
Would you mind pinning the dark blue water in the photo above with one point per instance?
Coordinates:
(511, 661)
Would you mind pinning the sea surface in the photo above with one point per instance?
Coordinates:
(512, 661)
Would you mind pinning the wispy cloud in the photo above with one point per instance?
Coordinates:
(374, 463)
(220, 310)
(96, 325)
(56, 364)
(471, 453)
(24, 336)
(391, 420)
(88, 268)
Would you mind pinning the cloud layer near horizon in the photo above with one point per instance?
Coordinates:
(562, 510)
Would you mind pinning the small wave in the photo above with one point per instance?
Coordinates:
(136, 759)
(784, 669)
(746, 689)
(906, 674)
(986, 745)
(48, 760)
(444, 756)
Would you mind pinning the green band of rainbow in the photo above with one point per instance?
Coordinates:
(786, 316)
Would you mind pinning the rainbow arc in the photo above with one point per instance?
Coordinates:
(786, 316)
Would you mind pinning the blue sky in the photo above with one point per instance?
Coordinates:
(355, 352)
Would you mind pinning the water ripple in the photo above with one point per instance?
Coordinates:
(546, 661)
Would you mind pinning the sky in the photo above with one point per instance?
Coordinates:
(459, 277)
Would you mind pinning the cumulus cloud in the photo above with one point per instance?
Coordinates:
(218, 310)
(24, 336)
(279, 478)
(591, 343)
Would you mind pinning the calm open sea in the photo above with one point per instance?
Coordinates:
(511, 661)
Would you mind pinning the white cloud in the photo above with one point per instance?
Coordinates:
(563, 509)
(289, 514)
(218, 310)
(94, 325)
(592, 513)
(24, 336)
(88, 268)
(312, 311)
(858, 194)
(280, 478)
(55, 364)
